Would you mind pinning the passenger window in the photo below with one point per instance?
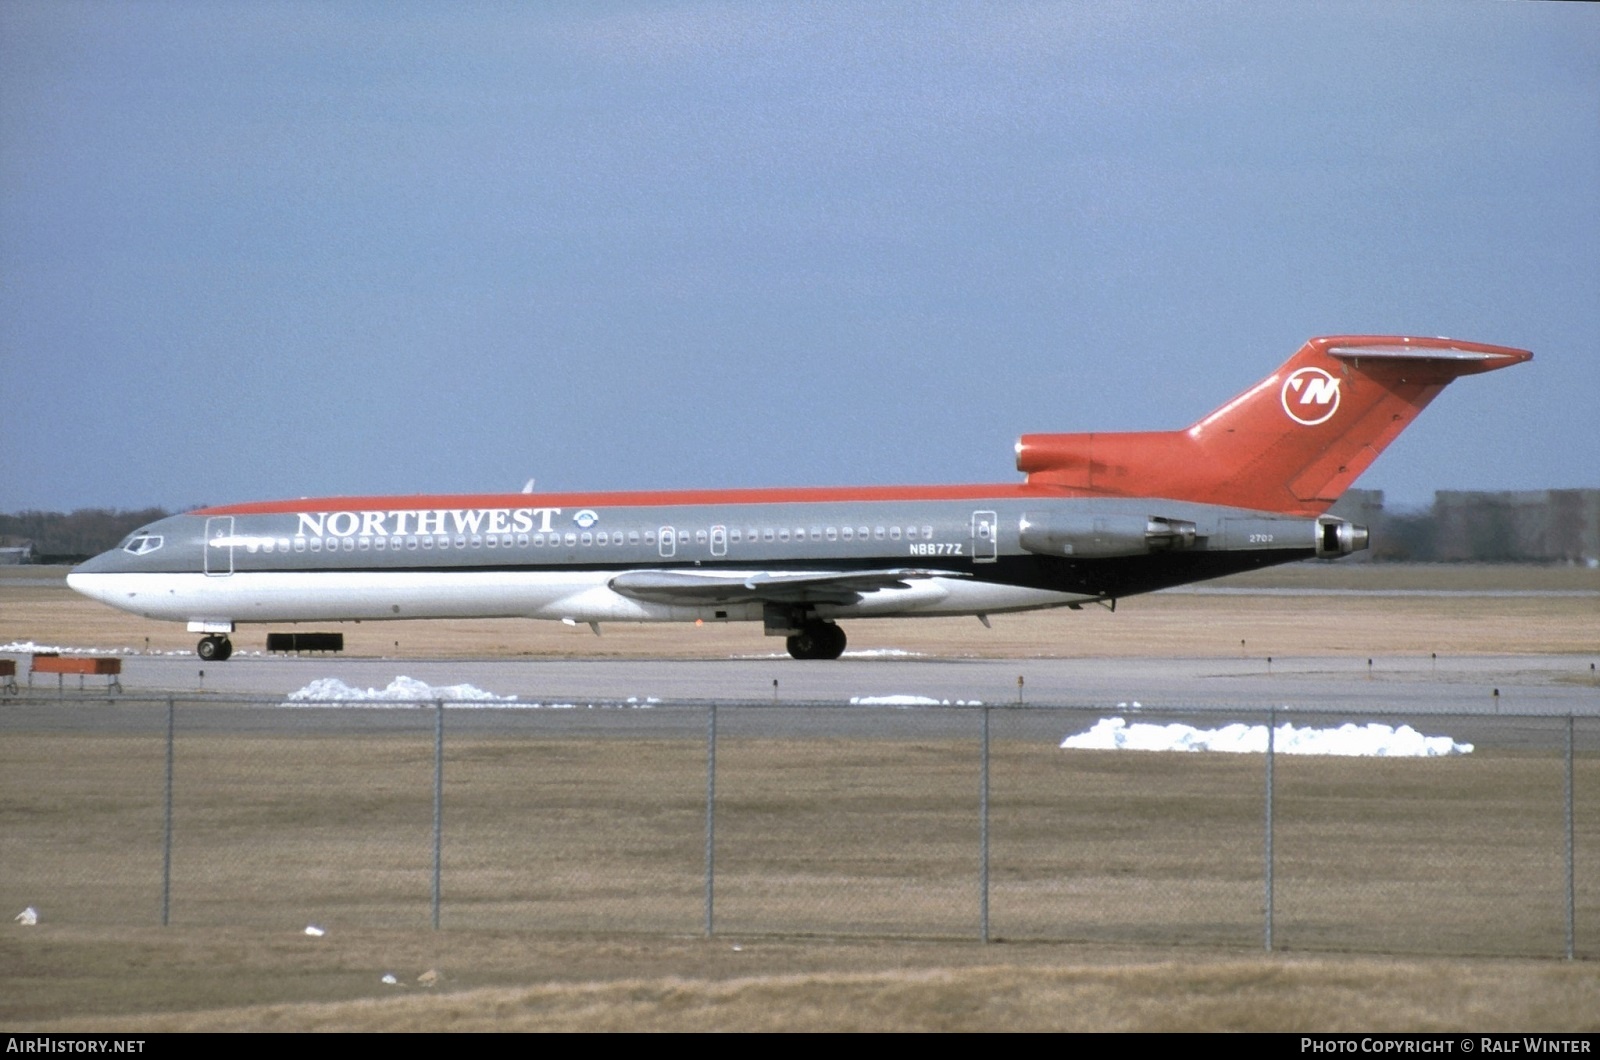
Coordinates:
(877, 533)
(894, 533)
(783, 534)
(588, 538)
(571, 539)
(522, 540)
(492, 541)
(699, 537)
(633, 537)
(602, 538)
(461, 540)
(411, 542)
(316, 544)
(380, 543)
(848, 533)
(427, 542)
(766, 535)
(649, 537)
(833, 533)
(816, 533)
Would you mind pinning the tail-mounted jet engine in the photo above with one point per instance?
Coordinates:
(1091, 536)
(1336, 537)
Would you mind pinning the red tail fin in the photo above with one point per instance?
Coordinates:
(1292, 443)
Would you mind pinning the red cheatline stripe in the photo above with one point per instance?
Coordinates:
(811, 495)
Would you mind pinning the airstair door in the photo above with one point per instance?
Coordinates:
(985, 537)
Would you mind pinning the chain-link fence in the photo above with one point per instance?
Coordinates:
(815, 819)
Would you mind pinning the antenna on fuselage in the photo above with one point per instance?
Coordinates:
(527, 487)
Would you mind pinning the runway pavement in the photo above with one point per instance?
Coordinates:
(1532, 692)
(1526, 684)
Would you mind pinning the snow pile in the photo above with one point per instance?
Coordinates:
(402, 691)
(409, 693)
(911, 701)
(1368, 741)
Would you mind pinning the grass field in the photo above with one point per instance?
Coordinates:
(1126, 892)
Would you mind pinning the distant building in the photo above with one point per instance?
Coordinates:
(1545, 526)
(11, 555)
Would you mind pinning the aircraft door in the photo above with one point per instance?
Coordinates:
(217, 559)
(985, 537)
(719, 541)
(667, 540)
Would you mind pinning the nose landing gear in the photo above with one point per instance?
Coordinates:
(214, 648)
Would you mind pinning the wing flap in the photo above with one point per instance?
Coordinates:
(701, 587)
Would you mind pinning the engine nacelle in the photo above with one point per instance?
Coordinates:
(1336, 537)
(1092, 536)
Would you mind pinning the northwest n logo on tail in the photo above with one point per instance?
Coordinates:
(1310, 396)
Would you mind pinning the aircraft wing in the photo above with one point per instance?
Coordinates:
(694, 587)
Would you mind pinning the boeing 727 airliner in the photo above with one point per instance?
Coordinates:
(1097, 517)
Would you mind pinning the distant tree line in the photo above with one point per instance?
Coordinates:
(1508, 526)
(75, 536)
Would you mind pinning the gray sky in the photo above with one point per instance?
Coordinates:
(261, 249)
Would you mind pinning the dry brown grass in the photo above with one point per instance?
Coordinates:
(846, 887)
(493, 983)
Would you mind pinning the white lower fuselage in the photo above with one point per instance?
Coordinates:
(572, 595)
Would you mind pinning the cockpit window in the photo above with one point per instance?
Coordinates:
(141, 543)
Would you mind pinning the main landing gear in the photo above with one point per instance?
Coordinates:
(214, 648)
(817, 640)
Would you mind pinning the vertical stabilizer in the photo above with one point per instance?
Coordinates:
(1292, 443)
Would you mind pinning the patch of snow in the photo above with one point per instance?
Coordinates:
(28, 647)
(884, 653)
(401, 692)
(407, 693)
(1368, 741)
(911, 701)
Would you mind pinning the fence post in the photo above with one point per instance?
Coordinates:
(438, 806)
(1272, 731)
(1572, 926)
(711, 817)
(983, 833)
(166, 828)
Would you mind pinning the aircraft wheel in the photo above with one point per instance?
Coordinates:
(214, 649)
(818, 640)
